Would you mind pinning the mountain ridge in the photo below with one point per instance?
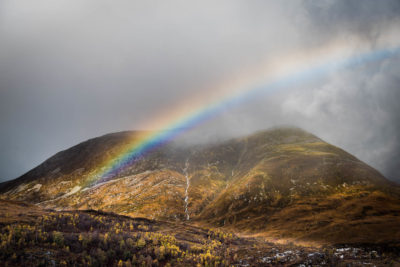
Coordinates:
(251, 184)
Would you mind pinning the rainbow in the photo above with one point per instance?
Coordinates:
(271, 77)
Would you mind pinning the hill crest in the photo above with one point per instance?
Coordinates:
(252, 184)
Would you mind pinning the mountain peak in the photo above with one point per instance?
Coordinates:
(250, 183)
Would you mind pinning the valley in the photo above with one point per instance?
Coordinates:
(31, 236)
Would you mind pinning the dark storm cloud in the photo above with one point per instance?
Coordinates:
(72, 70)
(357, 110)
(367, 18)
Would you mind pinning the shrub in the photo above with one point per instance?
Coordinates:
(58, 238)
(141, 243)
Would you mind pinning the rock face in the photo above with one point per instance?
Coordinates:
(284, 183)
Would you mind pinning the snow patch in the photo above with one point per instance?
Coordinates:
(78, 171)
(73, 191)
(56, 170)
(36, 188)
(21, 187)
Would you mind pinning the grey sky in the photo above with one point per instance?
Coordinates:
(71, 70)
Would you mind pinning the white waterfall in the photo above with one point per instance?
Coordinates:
(187, 188)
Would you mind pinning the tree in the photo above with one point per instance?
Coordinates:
(141, 242)
(58, 238)
(101, 255)
(130, 243)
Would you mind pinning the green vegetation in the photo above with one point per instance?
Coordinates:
(283, 184)
(99, 239)
(33, 237)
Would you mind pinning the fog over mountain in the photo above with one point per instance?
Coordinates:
(71, 70)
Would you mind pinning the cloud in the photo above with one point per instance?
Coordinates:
(72, 70)
(355, 110)
(368, 19)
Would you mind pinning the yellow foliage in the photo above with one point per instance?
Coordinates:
(141, 243)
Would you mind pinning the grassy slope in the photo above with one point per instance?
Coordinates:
(284, 183)
(301, 188)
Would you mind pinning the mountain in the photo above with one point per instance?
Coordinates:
(284, 184)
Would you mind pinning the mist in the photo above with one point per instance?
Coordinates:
(72, 70)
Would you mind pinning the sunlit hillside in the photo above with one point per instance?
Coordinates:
(283, 184)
